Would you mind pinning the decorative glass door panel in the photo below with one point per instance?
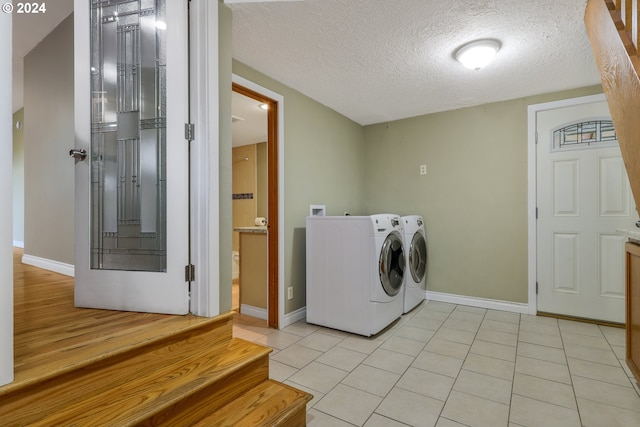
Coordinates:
(128, 135)
(131, 187)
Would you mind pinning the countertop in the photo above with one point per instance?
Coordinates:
(254, 229)
(633, 235)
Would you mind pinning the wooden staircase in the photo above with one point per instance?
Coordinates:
(613, 27)
(83, 367)
(198, 375)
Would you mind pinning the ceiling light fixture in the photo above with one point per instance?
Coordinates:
(477, 54)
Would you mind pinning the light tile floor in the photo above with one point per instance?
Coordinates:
(449, 365)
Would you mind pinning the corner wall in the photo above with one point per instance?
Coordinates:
(323, 164)
(473, 197)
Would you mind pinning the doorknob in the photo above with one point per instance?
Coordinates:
(78, 154)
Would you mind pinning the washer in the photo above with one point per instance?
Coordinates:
(355, 272)
(415, 242)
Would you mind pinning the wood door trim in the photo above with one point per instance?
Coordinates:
(272, 203)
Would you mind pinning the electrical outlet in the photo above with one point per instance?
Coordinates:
(290, 292)
(423, 169)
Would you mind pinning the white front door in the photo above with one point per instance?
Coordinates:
(583, 195)
(131, 190)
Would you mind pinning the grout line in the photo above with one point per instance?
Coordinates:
(404, 321)
(515, 364)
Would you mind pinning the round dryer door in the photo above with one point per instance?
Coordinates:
(392, 264)
(418, 257)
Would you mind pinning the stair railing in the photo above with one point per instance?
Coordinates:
(612, 27)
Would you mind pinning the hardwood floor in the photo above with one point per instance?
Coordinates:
(52, 336)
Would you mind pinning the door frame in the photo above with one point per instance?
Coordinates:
(6, 198)
(205, 152)
(275, 168)
(532, 166)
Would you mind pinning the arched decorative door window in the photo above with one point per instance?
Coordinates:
(583, 135)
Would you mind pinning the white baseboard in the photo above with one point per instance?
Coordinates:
(18, 244)
(515, 307)
(48, 264)
(258, 313)
(293, 317)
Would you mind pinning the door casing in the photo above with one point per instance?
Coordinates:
(275, 163)
(532, 187)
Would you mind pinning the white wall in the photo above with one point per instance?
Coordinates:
(6, 199)
(48, 136)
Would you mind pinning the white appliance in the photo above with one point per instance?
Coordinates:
(355, 272)
(415, 243)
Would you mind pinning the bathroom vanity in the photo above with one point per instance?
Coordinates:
(253, 276)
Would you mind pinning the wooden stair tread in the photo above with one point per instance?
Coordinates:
(129, 390)
(86, 367)
(269, 404)
(82, 348)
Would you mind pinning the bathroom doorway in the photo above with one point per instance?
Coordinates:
(255, 204)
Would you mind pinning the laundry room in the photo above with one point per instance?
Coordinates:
(473, 197)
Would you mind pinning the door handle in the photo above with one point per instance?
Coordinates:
(78, 154)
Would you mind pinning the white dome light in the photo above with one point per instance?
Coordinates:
(477, 54)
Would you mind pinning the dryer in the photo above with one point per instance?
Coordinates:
(415, 242)
(355, 272)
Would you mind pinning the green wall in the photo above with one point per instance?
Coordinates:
(473, 197)
(323, 164)
(225, 221)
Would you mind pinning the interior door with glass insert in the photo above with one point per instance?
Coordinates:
(132, 189)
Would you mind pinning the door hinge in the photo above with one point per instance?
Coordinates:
(536, 137)
(189, 131)
(536, 212)
(536, 288)
(189, 273)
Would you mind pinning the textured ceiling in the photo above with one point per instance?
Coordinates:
(380, 60)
